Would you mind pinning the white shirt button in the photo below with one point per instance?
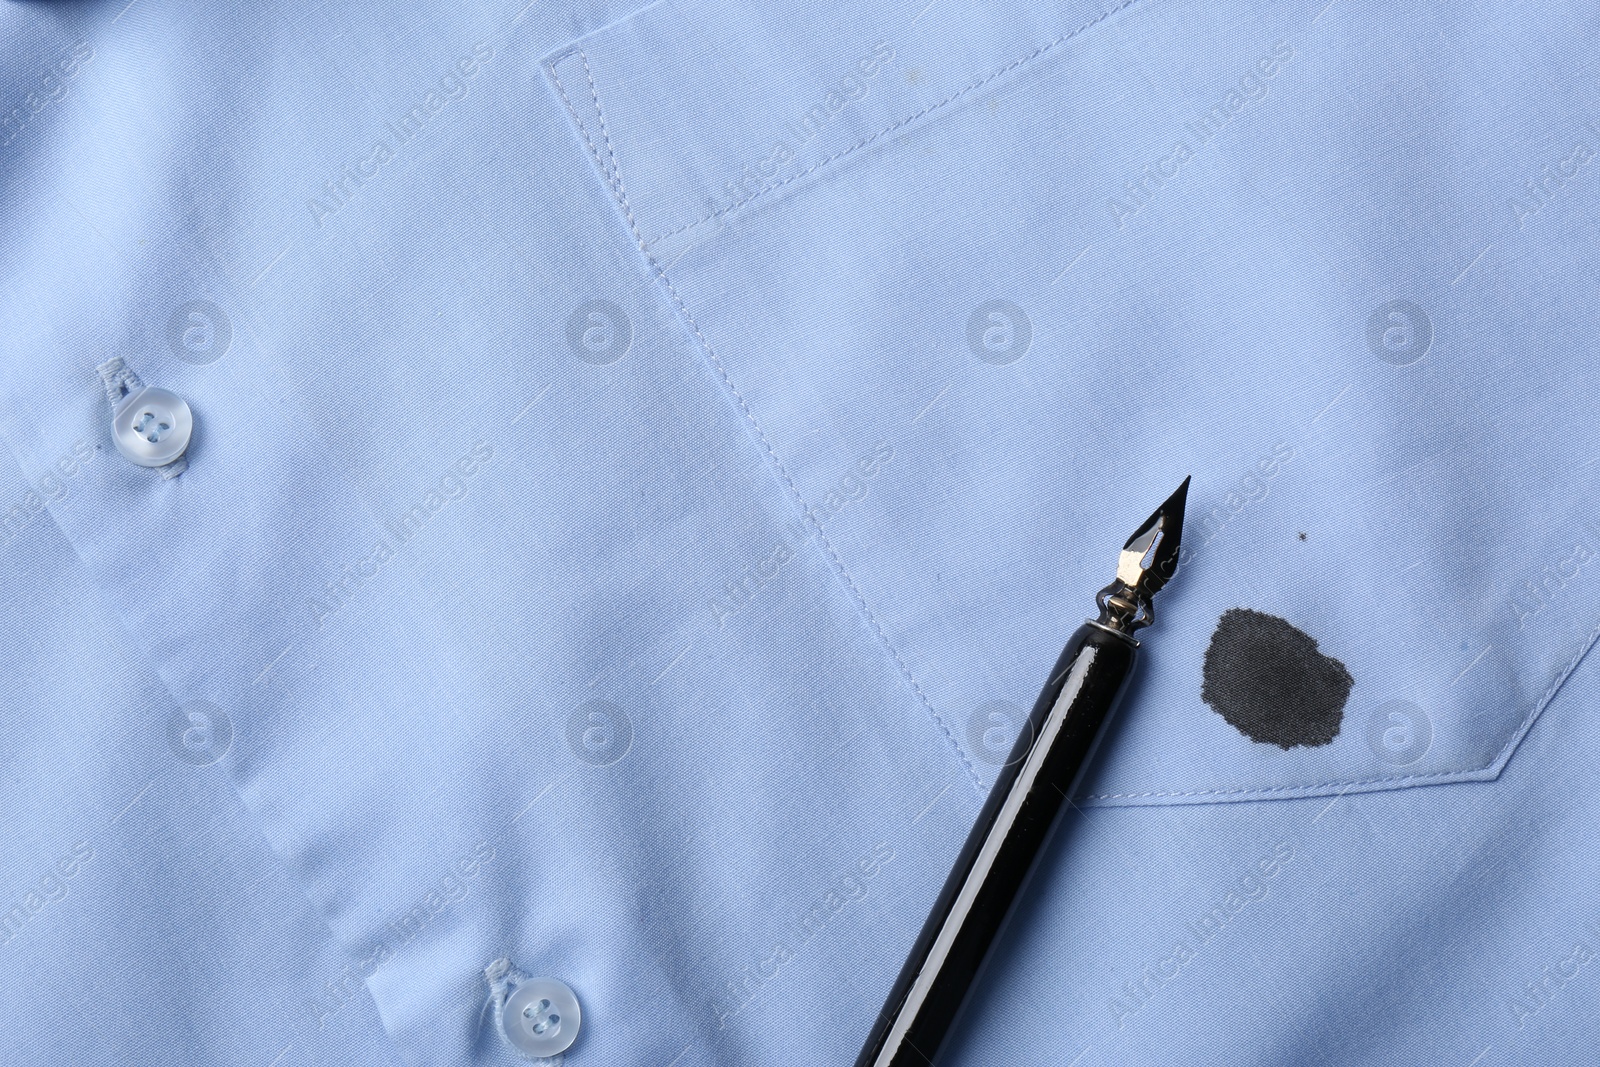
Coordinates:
(152, 427)
(541, 1018)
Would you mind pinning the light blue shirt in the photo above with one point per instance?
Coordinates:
(645, 460)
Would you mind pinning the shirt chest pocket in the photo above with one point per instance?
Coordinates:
(986, 286)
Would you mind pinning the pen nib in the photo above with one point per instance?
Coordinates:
(1148, 561)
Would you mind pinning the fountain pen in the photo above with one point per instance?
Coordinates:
(1022, 809)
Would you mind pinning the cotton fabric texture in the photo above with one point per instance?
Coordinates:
(647, 458)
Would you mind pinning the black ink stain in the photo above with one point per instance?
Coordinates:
(1268, 680)
(1302, 536)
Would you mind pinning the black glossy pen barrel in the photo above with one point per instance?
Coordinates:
(999, 856)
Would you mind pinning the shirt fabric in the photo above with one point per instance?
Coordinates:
(645, 460)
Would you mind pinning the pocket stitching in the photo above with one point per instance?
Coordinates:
(893, 126)
(1488, 771)
(613, 178)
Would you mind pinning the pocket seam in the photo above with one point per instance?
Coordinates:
(613, 178)
(973, 86)
(1487, 772)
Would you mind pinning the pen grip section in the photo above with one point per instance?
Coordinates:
(1001, 851)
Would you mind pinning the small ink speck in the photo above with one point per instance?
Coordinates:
(1269, 681)
(1302, 535)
